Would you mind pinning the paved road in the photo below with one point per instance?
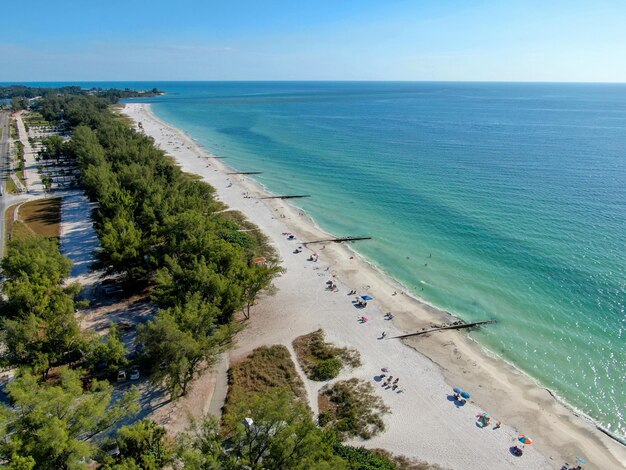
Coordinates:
(4, 147)
(6, 200)
(4, 159)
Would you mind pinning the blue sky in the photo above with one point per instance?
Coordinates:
(507, 40)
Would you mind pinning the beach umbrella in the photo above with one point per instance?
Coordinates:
(465, 394)
(581, 459)
(525, 440)
(367, 297)
(457, 390)
(385, 369)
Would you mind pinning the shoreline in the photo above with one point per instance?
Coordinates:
(560, 432)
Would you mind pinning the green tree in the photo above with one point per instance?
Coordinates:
(21, 463)
(258, 278)
(47, 183)
(54, 423)
(143, 445)
(282, 435)
(35, 258)
(19, 102)
(202, 448)
(37, 317)
(53, 147)
(109, 350)
(122, 246)
(182, 341)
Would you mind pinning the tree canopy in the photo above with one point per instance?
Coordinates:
(54, 423)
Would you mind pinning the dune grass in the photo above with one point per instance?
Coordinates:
(266, 368)
(352, 408)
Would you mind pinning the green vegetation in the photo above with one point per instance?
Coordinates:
(52, 147)
(321, 360)
(183, 340)
(9, 185)
(13, 131)
(19, 102)
(266, 368)
(21, 162)
(360, 458)
(21, 92)
(141, 446)
(38, 324)
(160, 227)
(280, 434)
(52, 419)
(54, 423)
(351, 408)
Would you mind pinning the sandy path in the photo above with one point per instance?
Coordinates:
(79, 240)
(423, 423)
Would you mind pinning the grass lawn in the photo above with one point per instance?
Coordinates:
(9, 185)
(265, 368)
(20, 176)
(41, 217)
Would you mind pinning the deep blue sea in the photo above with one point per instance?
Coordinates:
(489, 200)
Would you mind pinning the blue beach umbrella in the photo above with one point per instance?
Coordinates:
(367, 297)
(581, 460)
(457, 390)
(465, 394)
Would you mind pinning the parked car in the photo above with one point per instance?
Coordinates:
(121, 376)
(134, 374)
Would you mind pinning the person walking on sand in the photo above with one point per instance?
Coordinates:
(382, 335)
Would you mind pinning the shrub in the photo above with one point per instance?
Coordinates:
(326, 369)
(357, 411)
(321, 360)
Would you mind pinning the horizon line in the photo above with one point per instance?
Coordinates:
(19, 82)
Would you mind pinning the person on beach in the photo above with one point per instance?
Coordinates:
(382, 335)
(497, 426)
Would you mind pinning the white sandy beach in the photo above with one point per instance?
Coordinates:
(424, 423)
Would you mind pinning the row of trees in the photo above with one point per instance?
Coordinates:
(158, 226)
(112, 94)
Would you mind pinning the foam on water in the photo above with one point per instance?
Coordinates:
(503, 201)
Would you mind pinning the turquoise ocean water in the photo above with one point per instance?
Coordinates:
(503, 201)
